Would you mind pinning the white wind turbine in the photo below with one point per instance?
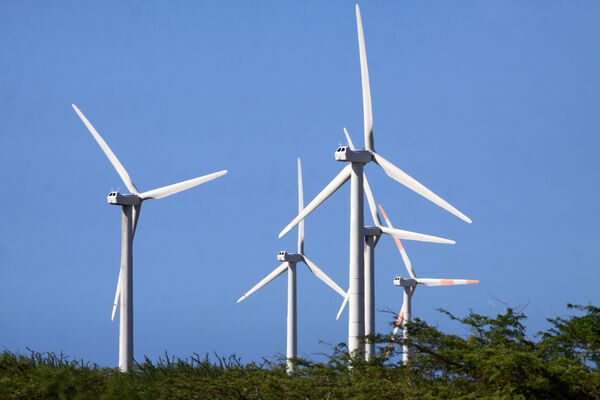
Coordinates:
(131, 204)
(409, 286)
(289, 265)
(354, 171)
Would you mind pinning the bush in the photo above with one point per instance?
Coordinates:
(495, 360)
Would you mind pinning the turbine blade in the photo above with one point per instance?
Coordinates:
(343, 305)
(300, 208)
(366, 90)
(117, 296)
(276, 272)
(398, 321)
(323, 276)
(408, 235)
(405, 258)
(136, 215)
(397, 174)
(124, 227)
(445, 282)
(178, 187)
(348, 139)
(396, 328)
(111, 156)
(334, 185)
(371, 201)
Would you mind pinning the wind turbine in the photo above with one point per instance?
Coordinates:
(289, 265)
(131, 205)
(409, 286)
(354, 172)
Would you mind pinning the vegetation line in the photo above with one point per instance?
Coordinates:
(495, 360)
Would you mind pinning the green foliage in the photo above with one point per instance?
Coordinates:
(498, 360)
(494, 360)
(575, 338)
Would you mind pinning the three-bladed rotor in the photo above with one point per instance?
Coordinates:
(367, 155)
(288, 258)
(411, 283)
(135, 198)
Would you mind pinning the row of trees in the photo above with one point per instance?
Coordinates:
(494, 360)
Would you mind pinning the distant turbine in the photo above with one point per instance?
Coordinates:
(132, 204)
(409, 286)
(357, 160)
(289, 264)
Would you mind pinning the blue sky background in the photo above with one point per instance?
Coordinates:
(493, 105)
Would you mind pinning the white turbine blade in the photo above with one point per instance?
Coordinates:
(334, 185)
(405, 258)
(117, 296)
(276, 272)
(408, 235)
(178, 187)
(366, 90)
(371, 201)
(348, 139)
(136, 215)
(300, 208)
(445, 282)
(397, 174)
(323, 276)
(111, 156)
(339, 314)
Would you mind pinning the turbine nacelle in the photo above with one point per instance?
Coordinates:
(346, 154)
(289, 257)
(119, 199)
(400, 281)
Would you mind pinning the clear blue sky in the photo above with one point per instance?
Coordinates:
(493, 105)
